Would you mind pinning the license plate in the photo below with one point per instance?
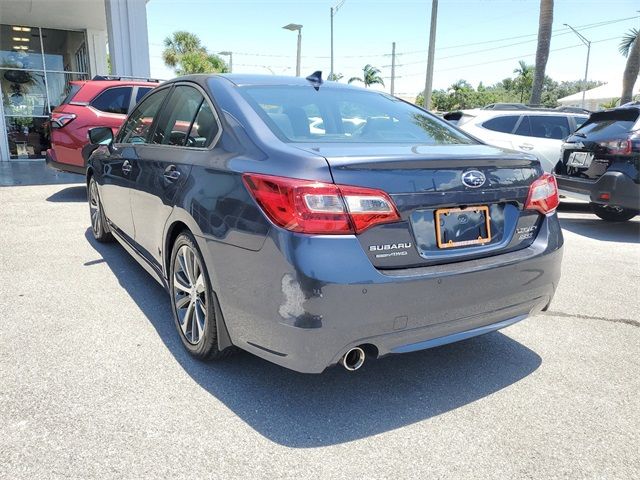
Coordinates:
(580, 159)
(463, 227)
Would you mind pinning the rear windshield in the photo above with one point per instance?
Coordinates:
(304, 115)
(609, 124)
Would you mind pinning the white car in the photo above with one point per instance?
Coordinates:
(316, 125)
(535, 131)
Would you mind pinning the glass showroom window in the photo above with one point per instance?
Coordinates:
(36, 66)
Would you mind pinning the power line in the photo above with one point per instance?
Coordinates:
(510, 58)
(562, 31)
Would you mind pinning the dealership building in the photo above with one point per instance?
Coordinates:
(45, 44)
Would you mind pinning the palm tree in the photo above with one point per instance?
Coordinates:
(185, 54)
(542, 52)
(371, 76)
(524, 79)
(630, 48)
(613, 103)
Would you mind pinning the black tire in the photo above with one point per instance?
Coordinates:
(613, 214)
(99, 225)
(205, 346)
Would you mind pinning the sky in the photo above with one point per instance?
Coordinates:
(479, 41)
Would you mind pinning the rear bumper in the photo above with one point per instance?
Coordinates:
(51, 162)
(303, 302)
(623, 191)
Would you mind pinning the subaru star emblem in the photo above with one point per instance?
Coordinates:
(473, 178)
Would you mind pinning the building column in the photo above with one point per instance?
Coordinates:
(97, 48)
(128, 38)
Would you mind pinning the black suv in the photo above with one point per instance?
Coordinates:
(600, 163)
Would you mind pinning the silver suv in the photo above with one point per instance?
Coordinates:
(536, 131)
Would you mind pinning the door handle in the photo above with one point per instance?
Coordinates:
(171, 173)
(126, 167)
(526, 146)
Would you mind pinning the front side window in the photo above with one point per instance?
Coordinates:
(503, 124)
(137, 127)
(301, 114)
(113, 100)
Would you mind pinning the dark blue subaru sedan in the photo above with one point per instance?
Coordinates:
(313, 223)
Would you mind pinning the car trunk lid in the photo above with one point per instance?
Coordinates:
(423, 179)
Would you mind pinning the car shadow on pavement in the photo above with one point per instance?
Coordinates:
(304, 411)
(77, 193)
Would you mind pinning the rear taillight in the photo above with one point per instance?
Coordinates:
(543, 194)
(617, 147)
(59, 120)
(307, 206)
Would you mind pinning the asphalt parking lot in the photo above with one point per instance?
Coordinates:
(94, 382)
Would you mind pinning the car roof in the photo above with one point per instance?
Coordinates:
(243, 80)
(90, 88)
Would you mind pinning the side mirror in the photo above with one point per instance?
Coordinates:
(101, 136)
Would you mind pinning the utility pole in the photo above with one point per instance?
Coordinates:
(393, 67)
(586, 68)
(428, 85)
(333, 10)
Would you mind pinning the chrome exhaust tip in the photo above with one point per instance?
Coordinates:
(353, 359)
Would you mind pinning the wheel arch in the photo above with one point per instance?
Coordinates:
(175, 226)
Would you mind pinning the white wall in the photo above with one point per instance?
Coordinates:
(128, 37)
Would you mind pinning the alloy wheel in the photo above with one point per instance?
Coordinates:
(94, 208)
(189, 294)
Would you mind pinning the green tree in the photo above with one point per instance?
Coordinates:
(630, 48)
(542, 52)
(335, 77)
(524, 80)
(371, 76)
(184, 52)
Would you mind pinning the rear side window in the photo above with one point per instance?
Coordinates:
(544, 126)
(74, 88)
(142, 91)
(580, 121)
(205, 128)
(137, 127)
(178, 117)
(113, 100)
(502, 124)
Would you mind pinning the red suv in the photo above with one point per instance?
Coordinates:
(102, 101)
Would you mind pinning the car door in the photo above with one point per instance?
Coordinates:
(542, 136)
(120, 170)
(183, 132)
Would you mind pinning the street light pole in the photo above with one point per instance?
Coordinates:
(299, 52)
(333, 10)
(428, 84)
(230, 55)
(393, 67)
(296, 27)
(586, 68)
